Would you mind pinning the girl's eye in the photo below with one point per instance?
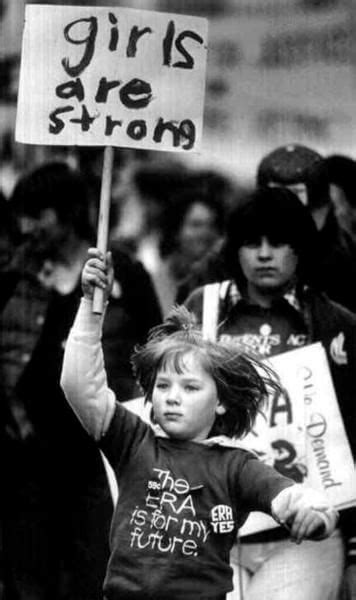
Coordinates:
(251, 244)
(161, 385)
(278, 243)
(191, 388)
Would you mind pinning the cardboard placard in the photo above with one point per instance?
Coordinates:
(111, 76)
(302, 433)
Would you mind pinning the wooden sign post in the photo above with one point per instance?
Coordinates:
(112, 77)
(103, 221)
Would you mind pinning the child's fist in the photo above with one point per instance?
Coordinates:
(306, 513)
(97, 272)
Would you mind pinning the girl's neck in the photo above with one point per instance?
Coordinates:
(266, 297)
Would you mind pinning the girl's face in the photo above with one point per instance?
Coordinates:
(268, 266)
(185, 404)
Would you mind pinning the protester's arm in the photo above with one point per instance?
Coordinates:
(83, 375)
(306, 513)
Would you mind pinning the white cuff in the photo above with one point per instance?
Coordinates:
(87, 323)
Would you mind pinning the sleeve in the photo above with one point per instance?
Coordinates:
(259, 484)
(83, 378)
(126, 432)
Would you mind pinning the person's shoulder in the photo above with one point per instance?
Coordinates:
(194, 302)
(128, 269)
(128, 418)
(343, 312)
(233, 446)
(123, 258)
(332, 308)
(345, 241)
(209, 269)
(195, 296)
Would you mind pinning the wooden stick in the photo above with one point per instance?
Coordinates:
(103, 221)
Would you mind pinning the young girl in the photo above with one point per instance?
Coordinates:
(184, 490)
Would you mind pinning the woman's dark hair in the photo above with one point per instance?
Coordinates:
(242, 382)
(278, 214)
(197, 191)
(57, 186)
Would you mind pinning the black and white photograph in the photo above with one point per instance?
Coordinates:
(178, 300)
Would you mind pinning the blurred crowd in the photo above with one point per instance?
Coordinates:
(173, 229)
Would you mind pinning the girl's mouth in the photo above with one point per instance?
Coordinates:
(172, 415)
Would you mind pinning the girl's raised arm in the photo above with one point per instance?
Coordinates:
(83, 377)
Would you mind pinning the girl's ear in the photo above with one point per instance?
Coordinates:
(220, 409)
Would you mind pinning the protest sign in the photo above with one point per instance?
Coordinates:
(111, 76)
(302, 434)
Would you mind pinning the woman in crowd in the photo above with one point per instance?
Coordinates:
(271, 304)
(192, 224)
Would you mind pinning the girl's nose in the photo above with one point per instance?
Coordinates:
(264, 249)
(173, 396)
(173, 400)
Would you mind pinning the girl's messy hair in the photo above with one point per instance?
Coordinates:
(243, 383)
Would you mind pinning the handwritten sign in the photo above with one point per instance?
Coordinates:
(111, 76)
(302, 433)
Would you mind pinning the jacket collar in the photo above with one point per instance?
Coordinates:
(293, 299)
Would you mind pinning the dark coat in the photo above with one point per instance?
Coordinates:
(56, 494)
